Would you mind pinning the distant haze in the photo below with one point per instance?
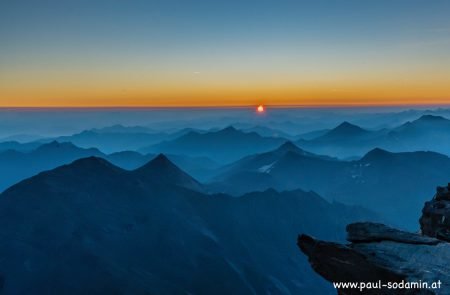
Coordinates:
(55, 122)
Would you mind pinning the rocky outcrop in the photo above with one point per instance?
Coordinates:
(435, 220)
(417, 262)
(377, 232)
(380, 254)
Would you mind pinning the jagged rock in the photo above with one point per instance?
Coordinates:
(435, 220)
(339, 263)
(374, 232)
(378, 252)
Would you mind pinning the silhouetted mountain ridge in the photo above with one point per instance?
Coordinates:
(118, 231)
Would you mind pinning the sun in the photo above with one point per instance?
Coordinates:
(260, 109)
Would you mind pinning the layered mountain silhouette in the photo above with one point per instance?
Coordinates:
(393, 184)
(313, 134)
(427, 133)
(16, 165)
(17, 146)
(119, 138)
(268, 132)
(93, 228)
(344, 130)
(345, 140)
(114, 139)
(223, 146)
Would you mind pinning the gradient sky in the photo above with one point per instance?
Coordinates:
(216, 53)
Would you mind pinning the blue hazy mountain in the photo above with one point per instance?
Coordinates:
(21, 138)
(427, 133)
(393, 184)
(93, 228)
(110, 141)
(345, 130)
(119, 138)
(16, 165)
(313, 134)
(268, 132)
(263, 162)
(202, 168)
(118, 128)
(225, 145)
(345, 140)
(17, 146)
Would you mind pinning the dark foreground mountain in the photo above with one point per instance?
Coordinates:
(393, 184)
(93, 228)
(224, 146)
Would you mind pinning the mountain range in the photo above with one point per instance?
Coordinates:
(427, 133)
(223, 146)
(90, 227)
(393, 184)
(16, 165)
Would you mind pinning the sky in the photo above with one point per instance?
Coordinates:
(72, 53)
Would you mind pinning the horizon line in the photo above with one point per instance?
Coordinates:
(252, 106)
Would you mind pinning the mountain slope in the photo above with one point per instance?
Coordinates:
(93, 228)
(393, 184)
(254, 172)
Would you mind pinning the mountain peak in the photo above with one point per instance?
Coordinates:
(289, 146)
(376, 153)
(56, 144)
(91, 161)
(344, 129)
(94, 165)
(162, 170)
(229, 129)
(429, 118)
(161, 160)
(66, 148)
(348, 127)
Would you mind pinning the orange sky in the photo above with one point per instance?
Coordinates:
(233, 94)
(215, 53)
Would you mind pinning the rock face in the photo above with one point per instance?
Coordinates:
(435, 220)
(378, 253)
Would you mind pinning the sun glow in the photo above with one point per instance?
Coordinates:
(260, 109)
